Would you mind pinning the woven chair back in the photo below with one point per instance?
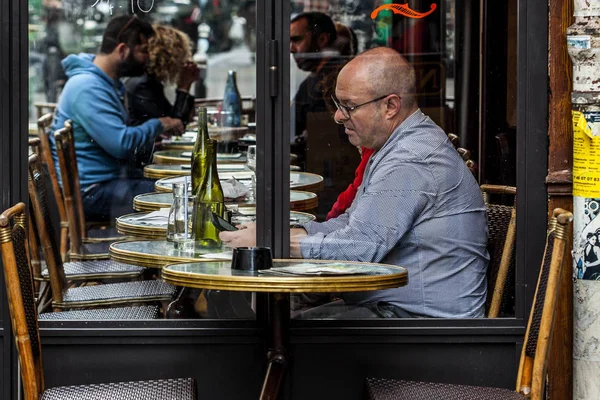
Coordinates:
(534, 357)
(45, 156)
(69, 173)
(45, 230)
(501, 220)
(19, 288)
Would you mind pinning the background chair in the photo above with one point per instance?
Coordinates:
(502, 228)
(88, 296)
(24, 321)
(85, 242)
(531, 376)
(45, 156)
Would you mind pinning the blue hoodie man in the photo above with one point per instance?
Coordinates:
(104, 144)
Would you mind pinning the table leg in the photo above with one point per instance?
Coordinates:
(278, 356)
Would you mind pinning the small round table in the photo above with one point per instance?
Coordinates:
(185, 157)
(219, 276)
(186, 142)
(298, 180)
(134, 225)
(159, 171)
(299, 201)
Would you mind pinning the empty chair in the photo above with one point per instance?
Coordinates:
(85, 243)
(24, 320)
(45, 156)
(531, 376)
(74, 270)
(502, 227)
(99, 295)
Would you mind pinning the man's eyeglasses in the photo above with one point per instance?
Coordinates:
(345, 110)
(127, 25)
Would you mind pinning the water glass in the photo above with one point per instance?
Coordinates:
(179, 227)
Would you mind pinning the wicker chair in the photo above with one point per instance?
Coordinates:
(464, 153)
(24, 320)
(87, 296)
(45, 156)
(75, 270)
(86, 242)
(534, 355)
(501, 220)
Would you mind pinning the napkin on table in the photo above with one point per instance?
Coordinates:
(155, 218)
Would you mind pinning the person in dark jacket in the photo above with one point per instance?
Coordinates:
(170, 55)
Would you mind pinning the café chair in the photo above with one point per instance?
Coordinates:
(43, 108)
(531, 376)
(108, 294)
(502, 228)
(86, 243)
(13, 245)
(464, 153)
(76, 269)
(24, 321)
(45, 156)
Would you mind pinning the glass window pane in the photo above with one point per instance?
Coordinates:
(130, 89)
(424, 131)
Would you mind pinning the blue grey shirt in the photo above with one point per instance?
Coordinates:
(418, 207)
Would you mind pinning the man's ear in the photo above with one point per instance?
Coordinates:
(393, 106)
(122, 50)
(322, 40)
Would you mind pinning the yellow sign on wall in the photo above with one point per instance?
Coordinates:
(586, 159)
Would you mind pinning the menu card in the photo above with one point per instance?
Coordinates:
(336, 269)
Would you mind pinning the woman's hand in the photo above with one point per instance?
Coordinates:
(187, 75)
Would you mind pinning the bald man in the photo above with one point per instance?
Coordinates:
(418, 206)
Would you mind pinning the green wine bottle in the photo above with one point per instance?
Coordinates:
(209, 199)
(200, 151)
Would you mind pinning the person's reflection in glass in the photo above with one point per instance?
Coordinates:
(312, 36)
(418, 207)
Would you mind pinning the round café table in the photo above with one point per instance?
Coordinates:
(185, 157)
(159, 171)
(299, 201)
(156, 253)
(220, 276)
(134, 224)
(298, 180)
(188, 139)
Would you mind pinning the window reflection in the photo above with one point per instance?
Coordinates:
(151, 92)
(439, 41)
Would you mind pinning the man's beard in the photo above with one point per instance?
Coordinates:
(131, 67)
(308, 61)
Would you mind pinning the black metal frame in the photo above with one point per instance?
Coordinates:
(78, 339)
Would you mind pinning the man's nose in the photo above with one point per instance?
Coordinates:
(339, 116)
(292, 48)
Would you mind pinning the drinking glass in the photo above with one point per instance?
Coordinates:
(179, 227)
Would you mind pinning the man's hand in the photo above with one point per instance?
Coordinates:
(245, 236)
(171, 125)
(187, 75)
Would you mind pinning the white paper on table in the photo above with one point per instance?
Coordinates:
(155, 218)
(232, 189)
(226, 255)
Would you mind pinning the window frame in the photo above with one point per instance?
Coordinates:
(273, 115)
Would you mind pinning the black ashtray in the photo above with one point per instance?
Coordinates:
(251, 258)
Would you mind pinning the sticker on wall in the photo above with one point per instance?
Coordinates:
(586, 159)
(586, 248)
(403, 9)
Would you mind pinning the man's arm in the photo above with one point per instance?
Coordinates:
(245, 236)
(395, 199)
(104, 122)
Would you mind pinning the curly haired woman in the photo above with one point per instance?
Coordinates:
(170, 57)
